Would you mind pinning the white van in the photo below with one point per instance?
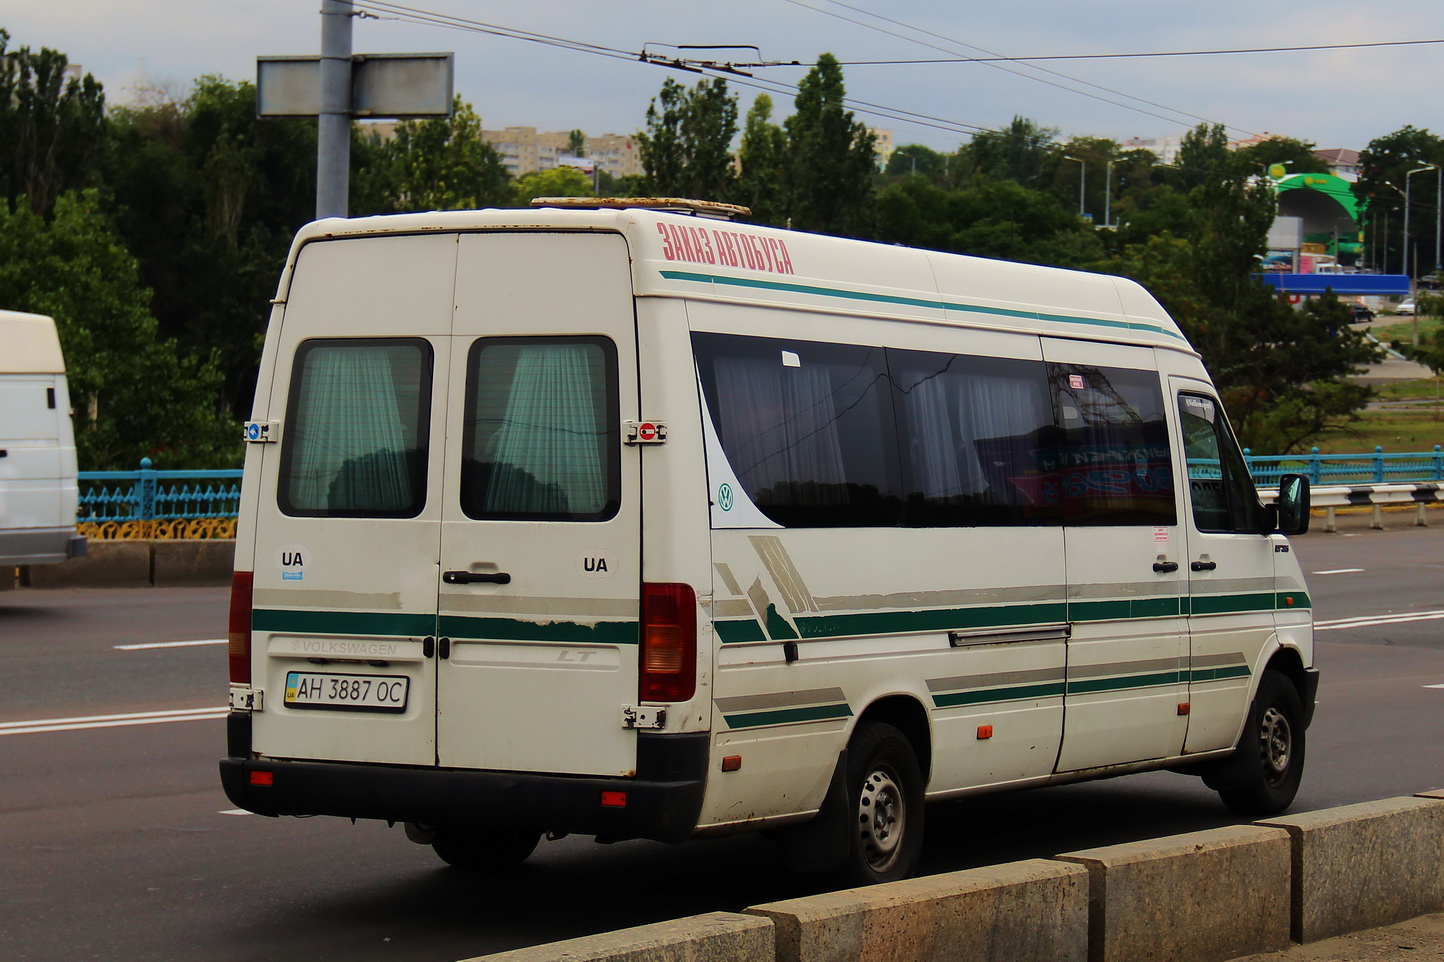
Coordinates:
(638, 523)
(38, 489)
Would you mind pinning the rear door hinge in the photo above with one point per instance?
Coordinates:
(248, 699)
(263, 432)
(642, 716)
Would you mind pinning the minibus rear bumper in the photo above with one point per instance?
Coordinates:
(662, 802)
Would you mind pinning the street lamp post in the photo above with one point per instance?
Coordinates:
(1082, 184)
(1408, 273)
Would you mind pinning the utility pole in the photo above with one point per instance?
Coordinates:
(333, 133)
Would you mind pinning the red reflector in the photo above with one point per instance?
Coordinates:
(669, 642)
(239, 635)
(614, 799)
(731, 763)
(263, 778)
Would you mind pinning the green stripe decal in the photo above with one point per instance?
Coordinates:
(783, 716)
(930, 304)
(738, 632)
(388, 623)
(983, 696)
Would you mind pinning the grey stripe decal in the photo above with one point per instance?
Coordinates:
(995, 679)
(1128, 668)
(780, 699)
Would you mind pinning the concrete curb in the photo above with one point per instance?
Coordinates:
(1036, 909)
(1365, 866)
(1201, 897)
(137, 564)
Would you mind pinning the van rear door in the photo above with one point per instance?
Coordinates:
(348, 524)
(541, 520)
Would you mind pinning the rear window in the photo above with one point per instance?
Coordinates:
(355, 439)
(542, 435)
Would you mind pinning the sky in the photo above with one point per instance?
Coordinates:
(1330, 97)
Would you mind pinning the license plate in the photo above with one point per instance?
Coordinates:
(311, 689)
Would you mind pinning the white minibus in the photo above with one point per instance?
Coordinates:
(632, 522)
(38, 488)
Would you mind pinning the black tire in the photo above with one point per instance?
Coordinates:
(1263, 775)
(477, 850)
(885, 806)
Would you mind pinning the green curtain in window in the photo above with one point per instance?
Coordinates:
(550, 453)
(349, 436)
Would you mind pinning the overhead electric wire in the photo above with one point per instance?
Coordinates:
(997, 66)
(398, 12)
(998, 58)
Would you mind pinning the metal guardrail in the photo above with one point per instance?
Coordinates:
(1320, 469)
(151, 495)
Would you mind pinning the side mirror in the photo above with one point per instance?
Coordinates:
(1293, 504)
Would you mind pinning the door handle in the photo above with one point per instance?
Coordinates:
(428, 647)
(1203, 565)
(444, 648)
(476, 577)
(1165, 567)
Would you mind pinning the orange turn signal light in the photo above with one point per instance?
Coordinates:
(985, 731)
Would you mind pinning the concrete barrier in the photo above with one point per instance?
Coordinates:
(138, 564)
(1201, 897)
(1024, 910)
(715, 937)
(1364, 866)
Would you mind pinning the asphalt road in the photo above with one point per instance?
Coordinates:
(116, 842)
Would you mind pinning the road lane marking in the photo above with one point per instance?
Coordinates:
(1338, 571)
(1434, 686)
(37, 725)
(235, 811)
(1372, 620)
(179, 644)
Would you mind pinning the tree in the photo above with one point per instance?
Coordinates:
(762, 163)
(831, 157)
(915, 159)
(1024, 152)
(1295, 156)
(686, 148)
(577, 143)
(1383, 178)
(556, 182)
(135, 395)
(438, 164)
(208, 196)
(52, 130)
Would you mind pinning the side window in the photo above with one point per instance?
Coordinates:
(807, 427)
(356, 429)
(542, 434)
(1114, 460)
(1219, 482)
(976, 437)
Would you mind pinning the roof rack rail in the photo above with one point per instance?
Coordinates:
(676, 205)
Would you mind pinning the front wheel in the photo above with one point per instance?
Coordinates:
(1269, 762)
(885, 806)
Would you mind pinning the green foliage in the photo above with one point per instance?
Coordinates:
(438, 164)
(207, 197)
(686, 148)
(52, 130)
(912, 159)
(761, 160)
(557, 182)
(1297, 156)
(1383, 176)
(134, 394)
(830, 158)
(1023, 152)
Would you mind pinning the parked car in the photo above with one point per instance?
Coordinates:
(1405, 307)
(1361, 313)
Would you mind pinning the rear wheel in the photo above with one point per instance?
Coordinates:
(1264, 774)
(480, 850)
(885, 806)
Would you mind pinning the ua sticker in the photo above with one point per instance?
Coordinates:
(292, 561)
(597, 564)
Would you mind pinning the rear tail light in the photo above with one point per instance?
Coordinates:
(239, 647)
(669, 642)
